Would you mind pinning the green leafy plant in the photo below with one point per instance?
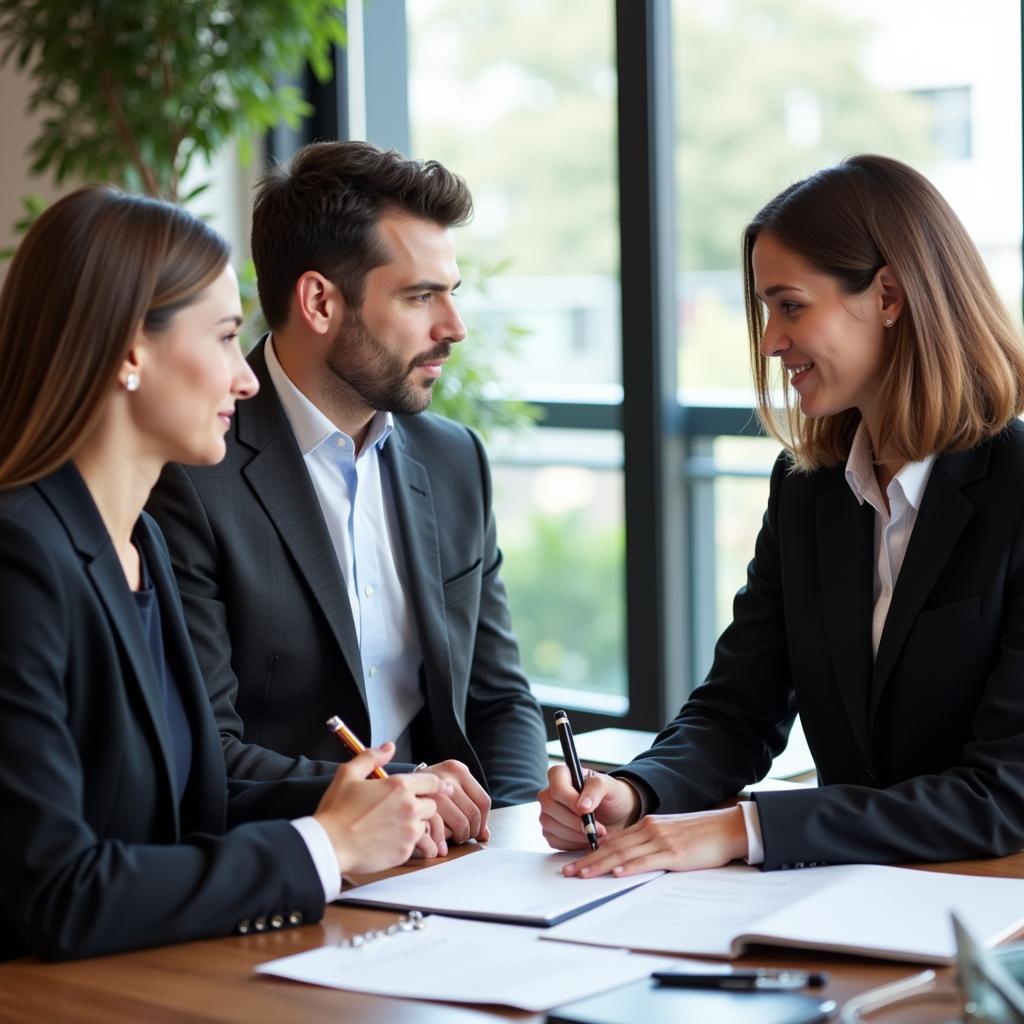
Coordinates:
(131, 93)
(32, 205)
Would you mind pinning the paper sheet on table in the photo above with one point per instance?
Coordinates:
(697, 912)
(470, 962)
(496, 885)
(865, 909)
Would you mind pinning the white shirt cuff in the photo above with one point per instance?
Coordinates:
(322, 852)
(752, 823)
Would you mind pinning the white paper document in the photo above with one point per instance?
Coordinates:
(496, 885)
(469, 962)
(893, 913)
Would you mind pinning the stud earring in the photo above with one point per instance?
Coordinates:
(889, 323)
(131, 382)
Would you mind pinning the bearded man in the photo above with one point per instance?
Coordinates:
(342, 559)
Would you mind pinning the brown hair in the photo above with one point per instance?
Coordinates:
(93, 268)
(321, 212)
(956, 374)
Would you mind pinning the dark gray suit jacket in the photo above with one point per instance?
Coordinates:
(97, 855)
(920, 750)
(270, 618)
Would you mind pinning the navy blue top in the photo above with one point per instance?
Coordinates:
(179, 732)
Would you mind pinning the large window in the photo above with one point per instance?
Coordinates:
(767, 92)
(615, 149)
(528, 116)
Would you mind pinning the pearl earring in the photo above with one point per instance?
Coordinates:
(131, 382)
(889, 323)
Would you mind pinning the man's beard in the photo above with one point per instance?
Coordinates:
(380, 379)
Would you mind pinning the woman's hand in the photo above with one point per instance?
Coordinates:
(612, 802)
(374, 824)
(668, 842)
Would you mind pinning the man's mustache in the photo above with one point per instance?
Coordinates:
(441, 351)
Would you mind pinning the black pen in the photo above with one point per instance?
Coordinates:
(572, 762)
(760, 979)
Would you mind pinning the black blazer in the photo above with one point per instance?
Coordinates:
(96, 856)
(269, 615)
(920, 751)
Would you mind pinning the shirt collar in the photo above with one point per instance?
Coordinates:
(860, 472)
(309, 425)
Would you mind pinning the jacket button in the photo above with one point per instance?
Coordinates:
(260, 924)
(295, 917)
(276, 921)
(867, 778)
(243, 927)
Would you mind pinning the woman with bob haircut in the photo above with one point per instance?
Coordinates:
(118, 353)
(885, 599)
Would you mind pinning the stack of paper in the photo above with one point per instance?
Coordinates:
(876, 911)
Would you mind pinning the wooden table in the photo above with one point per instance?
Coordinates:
(214, 980)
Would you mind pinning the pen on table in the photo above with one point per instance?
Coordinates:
(572, 762)
(351, 740)
(759, 979)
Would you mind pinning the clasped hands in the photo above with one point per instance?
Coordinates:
(627, 846)
(377, 823)
(461, 811)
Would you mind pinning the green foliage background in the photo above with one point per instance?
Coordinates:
(572, 631)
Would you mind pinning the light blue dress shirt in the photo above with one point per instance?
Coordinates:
(355, 497)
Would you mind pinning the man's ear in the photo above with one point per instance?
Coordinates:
(320, 303)
(890, 293)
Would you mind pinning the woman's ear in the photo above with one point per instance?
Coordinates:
(890, 295)
(129, 375)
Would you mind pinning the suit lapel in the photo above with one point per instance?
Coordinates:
(417, 524)
(944, 514)
(71, 500)
(845, 540)
(279, 478)
(204, 803)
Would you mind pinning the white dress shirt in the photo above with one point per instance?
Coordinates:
(893, 527)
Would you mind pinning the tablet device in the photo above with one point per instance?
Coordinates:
(650, 1003)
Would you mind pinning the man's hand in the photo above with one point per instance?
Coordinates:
(668, 842)
(612, 802)
(461, 813)
(375, 823)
